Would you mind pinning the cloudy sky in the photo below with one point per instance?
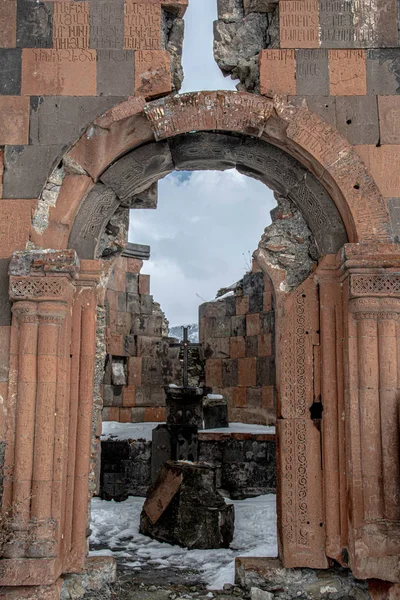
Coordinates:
(207, 223)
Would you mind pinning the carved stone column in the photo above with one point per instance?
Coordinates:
(42, 292)
(372, 290)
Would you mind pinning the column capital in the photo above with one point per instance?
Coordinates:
(375, 308)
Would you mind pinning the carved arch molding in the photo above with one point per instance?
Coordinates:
(139, 169)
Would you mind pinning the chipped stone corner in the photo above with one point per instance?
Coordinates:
(243, 29)
(173, 29)
(48, 199)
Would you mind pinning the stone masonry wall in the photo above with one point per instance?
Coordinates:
(139, 359)
(237, 333)
(339, 59)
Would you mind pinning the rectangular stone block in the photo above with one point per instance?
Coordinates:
(239, 397)
(5, 304)
(383, 72)
(253, 324)
(117, 396)
(213, 309)
(383, 163)
(14, 120)
(144, 284)
(142, 26)
(1, 172)
(389, 119)
(147, 325)
(158, 63)
(254, 397)
(238, 326)
(217, 347)
(265, 370)
(5, 331)
(58, 72)
(299, 23)
(138, 415)
(124, 415)
(214, 373)
(132, 283)
(152, 372)
(71, 25)
(146, 304)
(268, 397)
(129, 345)
(229, 373)
(110, 414)
(237, 347)
(107, 25)
(324, 106)
(34, 24)
(155, 415)
(357, 119)
(216, 327)
(242, 305)
(8, 23)
(133, 304)
(134, 265)
(264, 344)
(394, 211)
(15, 237)
(108, 395)
(312, 72)
(251, 346)
(20, 179)
(128, 396)
(10, 71)
(115, 72)
(277, 72)
(247, 371)
(121, 301)
(347, 71)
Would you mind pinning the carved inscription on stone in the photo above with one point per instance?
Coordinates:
(107, 25)
(142, 29)
(299, 24)
(312, 73)
(70, 25)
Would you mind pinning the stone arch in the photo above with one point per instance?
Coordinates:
(335, 169)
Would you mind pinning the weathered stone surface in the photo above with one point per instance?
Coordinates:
(14, 120)
(107, 25)
(115, 72)
(299, 24)
(230, 10)
(215, 412)
(34, 24)
(93, 215)
(153, 77)
(347, 72)
(8, 23)
(240, 40)
(197, 516)
(357, 119)
(10, 71)
(136, 171)
(312, 72)
(383, 71)
(174, 46)
(277, 72)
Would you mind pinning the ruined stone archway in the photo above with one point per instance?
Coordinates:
(325, 177)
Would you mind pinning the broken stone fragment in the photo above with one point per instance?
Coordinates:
(192, 513)
(230, 10)
(262, 6)
(118, 373)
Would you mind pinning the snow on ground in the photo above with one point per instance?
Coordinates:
(115, 527)
(135, 431)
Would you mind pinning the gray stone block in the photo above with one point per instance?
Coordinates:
(238, 326)
(10, 71)
(337, 25)
(5, 304)
(115, 72)
(136, 171)
(34, 24)
(27, 169)
(357, 118)
(265, 370)
(251, 346)
(254, 397)
(132, 284)
(230, 10)
(107, 24)
(229, 373)
(133, 304)
(383, 72)
(146, 304)
(122, 304)
(312, 72)
(94, 213)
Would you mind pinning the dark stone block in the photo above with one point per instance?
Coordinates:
(130, 345)
(230, 302)
(122, 302)
(184, 406)
(357, 119)
(266, 370)
(267, 322)
(171, 442)
(148, 325)
(199, 151)
(324, 106)
(383, 72)
(118, 394)
(115, 72)
(136, 171)
(132, 283)
(238, 326)
(312, 73)
(108, 395)
(10, 71)
(248, 479)
(107, 25)
(191, 513)
(146, 304)
(34, 24)
(21, 180)
(251, 346)
(229, 373)
(133, 304)
(152, 371)
(254, 397)
(215, 413)
(253, 286)
(5, 304)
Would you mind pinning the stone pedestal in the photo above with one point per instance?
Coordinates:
(173, 442)
(183, 507)
(184, 405)
(215, 412)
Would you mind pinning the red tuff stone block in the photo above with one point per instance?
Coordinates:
(242, 305)
(119, 280)
(237, 347)
(3, 405)
(48, 72)
(253, 324)
(347, 72)
(110, 413)
(142, 26)
(144, 284)
(299, 24)
(8, 23)
(128, 396)
(134, 265)
(124, 415)
(14, 120)
(112, 300)
(277, 72)
(1, 172)
(268, 394)
(155, 415)
(70, 25)
(214, 372)
(383, 163)
(389, 119)
(15, 236)
(135, 370)
(267, 301)
(239, 397)
(265, 344)
(114, 343)
(383, 590)
(152, 73)
(247, 371)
